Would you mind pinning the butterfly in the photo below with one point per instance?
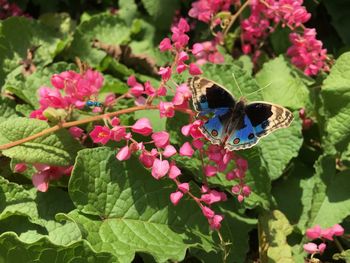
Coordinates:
(234, 124)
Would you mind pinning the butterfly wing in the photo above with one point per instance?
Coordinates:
(208, 96)
(267, 117)
(260, 119)
(243, 135)
(211, 98)
(215, 128)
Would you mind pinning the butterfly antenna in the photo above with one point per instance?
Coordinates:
(234, 78)
(258, 90)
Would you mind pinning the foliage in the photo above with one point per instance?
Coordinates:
(102, 158)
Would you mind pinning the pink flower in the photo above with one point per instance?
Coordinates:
(147, 159)
(174, 171)
(215, 222)
(149, 90)
(327, 233)
(20, 168)
(181, 68)
(161, 139)
(137, 88)
(184, 187)
(165, 73)
(313, 233)
(166, 109)
(338, 230)
(242, 164)
(213, 197)
(207, 212)
(186, 150)
(76, 132)
(312, 248)
(246, 191)
(198, 144)
(100, 134)
(306, 52)
(169, 151)
(203, 10)
(210, 170)
(182, 57)
(176, 197)
(179, 37)
(160, 168)
(236, 189)
(118, 133)
(193, 129)
(182, 95)
(165, 45)
(124, 153)
(41, 181)
(194, 69)
(142, 126)
(197, 48)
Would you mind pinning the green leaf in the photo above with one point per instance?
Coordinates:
(275, 228)
(336, 98)
(106, 28)
(26, 88)
(13, 250)
(127, 10)
(122, 209)
(32, 215)
(7, 109)
(54, 149)
(294, 194)
(283, 85)
(339, 17)
(337, 200)
(17, 35)
(162, 11)
(280, 147)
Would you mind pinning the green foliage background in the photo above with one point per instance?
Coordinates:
(114, 211)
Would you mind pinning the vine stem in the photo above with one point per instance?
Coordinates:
(234, 17)
(85, 120)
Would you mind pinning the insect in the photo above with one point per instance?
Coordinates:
(234, 124)
(91, 103)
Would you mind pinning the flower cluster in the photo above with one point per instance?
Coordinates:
(204, 10)
(9, 9)
(70, 90)
(317, 232)
(307, 53)
(207, 51)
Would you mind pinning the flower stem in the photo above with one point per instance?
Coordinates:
(234, 17)
(83, 121)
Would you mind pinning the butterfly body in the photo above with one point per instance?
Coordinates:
(234, 124)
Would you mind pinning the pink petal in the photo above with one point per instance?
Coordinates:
(310, 248)
(142, 126)
(41, 181)
(161, 139)
(176, 197)
(160, 168)
(169, 151)
(194, 69)
(186, 150)
(124, 154)
(20, 168)
(184, 187)
(174, 171)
